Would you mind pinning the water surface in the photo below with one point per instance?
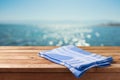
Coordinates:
(58, 35)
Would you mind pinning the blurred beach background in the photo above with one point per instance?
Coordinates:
(59, 22)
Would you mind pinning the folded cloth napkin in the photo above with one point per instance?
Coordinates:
(78, 61)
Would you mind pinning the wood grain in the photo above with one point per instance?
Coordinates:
(58, 76)
(23, 63)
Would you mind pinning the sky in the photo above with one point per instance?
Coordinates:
(76, 10)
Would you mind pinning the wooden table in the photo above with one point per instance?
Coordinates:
(23, 63)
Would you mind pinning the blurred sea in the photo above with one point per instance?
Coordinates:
(58, 35)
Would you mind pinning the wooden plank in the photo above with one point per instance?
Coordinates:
(23, 63)
(13, 57)
(93, 51)
(50, 67)
(100, 76)
(37, 76)
(36, 53)
(5, 58)
(58, 76)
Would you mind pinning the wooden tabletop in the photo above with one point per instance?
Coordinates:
(26, 59)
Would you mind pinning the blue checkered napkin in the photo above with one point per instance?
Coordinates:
(75, 59)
